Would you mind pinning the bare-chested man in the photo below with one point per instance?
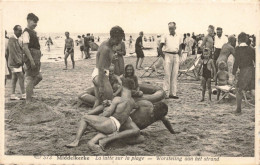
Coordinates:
(113, 116)
(145, 114)
(103, 89)
(69, 50)
(227, 49)
(208, 41)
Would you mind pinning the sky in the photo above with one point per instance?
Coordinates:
(133, 17)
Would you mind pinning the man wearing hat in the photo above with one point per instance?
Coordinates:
(171, 52)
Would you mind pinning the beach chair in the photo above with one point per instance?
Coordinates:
(227, 90)
(191, 69)
(148, 71)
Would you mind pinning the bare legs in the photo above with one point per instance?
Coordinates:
(100, 123)
(32, 81)
(15, 77)
(72, 60)
(205, 83)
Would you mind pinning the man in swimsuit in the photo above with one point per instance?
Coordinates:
(208, 41)
(227, 49)
(145, 114)
(69, 50)
(107, 49)
(113, 116)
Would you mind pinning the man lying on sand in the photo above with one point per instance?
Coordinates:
(145, 114)
(113, 117)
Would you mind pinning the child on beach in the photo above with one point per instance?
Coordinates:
(130, 73)
(221, 77)
(208, 71)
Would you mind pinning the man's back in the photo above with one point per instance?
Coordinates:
(226, 50)
(123, 108)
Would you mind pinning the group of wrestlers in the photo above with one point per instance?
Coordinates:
(123, 117)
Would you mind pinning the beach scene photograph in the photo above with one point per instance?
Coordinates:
(141, 78)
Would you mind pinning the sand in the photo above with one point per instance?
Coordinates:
(206, 129)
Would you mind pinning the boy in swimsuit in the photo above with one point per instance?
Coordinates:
(113, 116)
(221, 77)
(208, 71)
(69, 50)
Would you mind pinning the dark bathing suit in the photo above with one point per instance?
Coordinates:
(70, 50)
(206, 72)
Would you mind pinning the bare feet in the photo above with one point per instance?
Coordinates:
(102, 143)
(95, 148)
(75, 143)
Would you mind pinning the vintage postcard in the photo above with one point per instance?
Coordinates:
(130, 82)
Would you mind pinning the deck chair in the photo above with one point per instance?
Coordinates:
(191, 68)
(148, 71)
(226, 89)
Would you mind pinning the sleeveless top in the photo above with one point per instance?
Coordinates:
(34, 42)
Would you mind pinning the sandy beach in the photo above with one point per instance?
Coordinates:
(205, 129)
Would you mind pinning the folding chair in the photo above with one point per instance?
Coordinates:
(227, 91)
(191, 69)
(150, 70)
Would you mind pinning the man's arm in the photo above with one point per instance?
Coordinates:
(28, 54)
(118, 91)
(203, 42)
(167, 124)
(72, 43)
(216, 79)
(160, 50)
(235, 66)
(96, 111)
(122, 51)
(100, 65)
(110, 110)
(65, 47)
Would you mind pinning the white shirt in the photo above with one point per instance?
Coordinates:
(26, 37)
(172, 43)
(219, 42)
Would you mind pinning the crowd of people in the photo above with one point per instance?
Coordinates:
(115, 113)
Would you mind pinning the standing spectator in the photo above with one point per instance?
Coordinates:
(220, 40)
(31, 47)
(69, 50)
(87, 46)
(208, 41)
(15, 62)
(81, 46)
(188, 44)
(194, 44)
(139, 52)
(172, 51)
(245, 61)
(160, 60)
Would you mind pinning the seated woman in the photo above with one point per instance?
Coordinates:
(130, 73)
